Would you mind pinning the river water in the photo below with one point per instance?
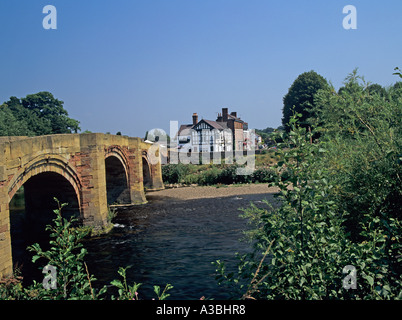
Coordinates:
(167, 240)
(173, 241)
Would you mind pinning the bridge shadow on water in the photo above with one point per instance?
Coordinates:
(173, 241)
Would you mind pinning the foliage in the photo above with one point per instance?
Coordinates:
(174, 173)
(300, 97)
(111, 214)
(363, 134)
(215, 174)
(127, 292)
(11, 288)
(209, 177)
(36, 114)
(163, 295)
(398, 72)
(73, 281)
(294, 238)
(263, 175)
(9, 126)
(67, 256)
(302, 246)
(266, 134)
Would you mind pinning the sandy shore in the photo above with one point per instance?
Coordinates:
(200, 192)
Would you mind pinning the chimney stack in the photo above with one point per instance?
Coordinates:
(234, 114)
(195, 119)
(225, 114)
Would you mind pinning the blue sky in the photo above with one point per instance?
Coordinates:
(133, 66)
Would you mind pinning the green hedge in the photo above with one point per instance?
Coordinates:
(180, 173)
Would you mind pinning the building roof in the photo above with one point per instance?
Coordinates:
(216, 125)
(219, 124)
(184, 128)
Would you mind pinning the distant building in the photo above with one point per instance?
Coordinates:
(258, 140)
(227, 133)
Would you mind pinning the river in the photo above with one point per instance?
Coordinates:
(173, 241)
(174, 238)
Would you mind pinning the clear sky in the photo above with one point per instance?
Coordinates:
(132, 66)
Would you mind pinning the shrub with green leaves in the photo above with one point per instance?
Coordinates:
(127, 292)
(302, 247)
(209, 177)
(67, 256)
(292, 240)
(70, 278)
(362, 132)
(263, 175)
(174, 173)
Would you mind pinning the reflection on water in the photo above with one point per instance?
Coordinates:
(168, 241)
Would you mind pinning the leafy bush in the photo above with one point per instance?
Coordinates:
(209, 177)
(294, 238)
(174, 173)
(264, 175)
(67, 256)
(302, 247)
(362, 132)
(71, 280)
(229, 175)
(191, 179)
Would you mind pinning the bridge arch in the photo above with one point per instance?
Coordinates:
(45, 163)
(146, 171)
(78, 163)
(42, 179)
(117, 176)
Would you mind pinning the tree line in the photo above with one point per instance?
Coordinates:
(336, 233)
(36, 114)
(301, 96)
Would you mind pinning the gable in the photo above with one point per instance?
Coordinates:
(207, 125)
(202, 125)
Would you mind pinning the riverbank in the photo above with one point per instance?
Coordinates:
(203, 192)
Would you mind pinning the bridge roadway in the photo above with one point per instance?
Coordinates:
(89, 171)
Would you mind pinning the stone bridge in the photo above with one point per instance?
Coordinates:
(88, 171)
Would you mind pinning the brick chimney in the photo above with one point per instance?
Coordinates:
(225, 114)
(234, 114)
(195, 119)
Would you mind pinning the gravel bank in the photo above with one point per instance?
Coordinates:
(201, 192)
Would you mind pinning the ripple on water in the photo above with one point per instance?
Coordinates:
(173, 242)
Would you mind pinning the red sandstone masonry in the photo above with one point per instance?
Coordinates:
(80, 158)
(3, 228)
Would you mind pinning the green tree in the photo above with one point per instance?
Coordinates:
(300, 97)
(302, 246)
(10, 126)
(376, 89)
(365, 134)
(42, 114)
